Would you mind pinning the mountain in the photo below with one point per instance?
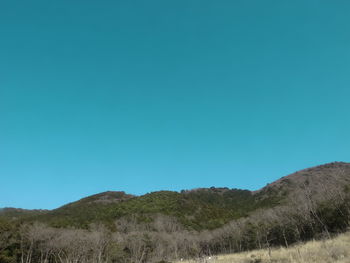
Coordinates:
(202, 208)
(16, 213)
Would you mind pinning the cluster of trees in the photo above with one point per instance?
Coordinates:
(311, 212)
(162, 239)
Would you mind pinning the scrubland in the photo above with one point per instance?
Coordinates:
(335, 250)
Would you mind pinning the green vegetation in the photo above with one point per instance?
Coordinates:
(196, 209)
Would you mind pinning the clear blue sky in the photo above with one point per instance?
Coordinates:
(169, 94)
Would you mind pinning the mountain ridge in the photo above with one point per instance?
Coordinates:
(199, 208)
(127, 195)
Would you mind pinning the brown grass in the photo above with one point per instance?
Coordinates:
(336, 250)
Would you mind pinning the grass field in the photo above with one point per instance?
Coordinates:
(336, 250)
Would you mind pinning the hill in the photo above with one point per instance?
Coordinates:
(16, 213)
(203, 208)
(195, 209)
(165, 225)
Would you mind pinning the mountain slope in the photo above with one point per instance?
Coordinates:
(16, 213)
(202, 209)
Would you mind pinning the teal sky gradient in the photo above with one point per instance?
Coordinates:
(168, 95)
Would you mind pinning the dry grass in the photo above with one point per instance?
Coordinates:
(335, 250)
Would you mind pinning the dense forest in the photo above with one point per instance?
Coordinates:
(165, 226)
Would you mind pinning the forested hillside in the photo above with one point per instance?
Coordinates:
(165, 225)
